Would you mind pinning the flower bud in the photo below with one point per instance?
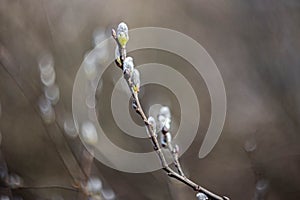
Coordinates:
(128, 67)
(161, 119)
(46, 110)
(165, 111)
(168, 137)
(108, 194)
(176, 149)
(164, 130)
(152, 123)
(135, 79)
(89, 133)
(94, 185)
(164, 119)
(134, 105)
(165, 139)
(162, 140)
(52, 93)
(201, 196)
(14, 181)
(168, 123)
(122, 34)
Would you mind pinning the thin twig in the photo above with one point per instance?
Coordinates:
(174, 154)
(153, 137)
(161, 156)
(46, 187)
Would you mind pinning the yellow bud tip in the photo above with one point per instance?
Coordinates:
(123, 40)
(119, 60)
(135, 88)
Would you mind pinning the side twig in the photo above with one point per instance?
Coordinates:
(174, 152)
(161, 156)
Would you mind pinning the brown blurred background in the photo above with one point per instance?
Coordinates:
(255, 45)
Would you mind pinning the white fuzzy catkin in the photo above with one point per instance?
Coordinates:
(135, 79)
(94, 185)
(128, 67)
(89, 133)
(152, 122)
(122, 34)
(201, 196)
(165, 111)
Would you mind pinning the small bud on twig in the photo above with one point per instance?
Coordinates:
(94, 186)
(135, 79)
(164, 118)
(128, 67)
(152, 125)
(113, 33)
(122, 34)
(165, 111)
(164, 130)
(166, 139)
(176, 149)
(201, 196)
(134, 105)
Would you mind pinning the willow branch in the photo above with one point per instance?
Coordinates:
(153, 137)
